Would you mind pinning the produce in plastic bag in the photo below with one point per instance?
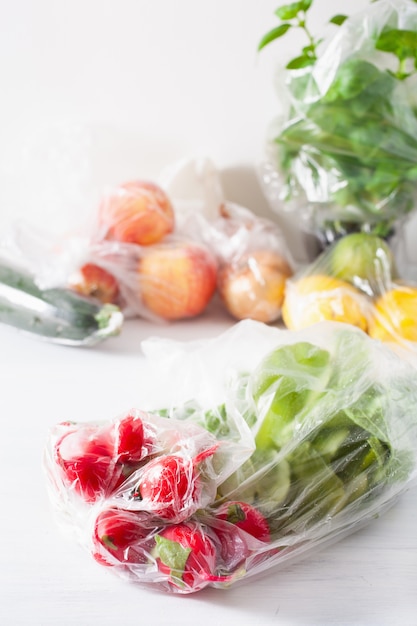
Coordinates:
(298, 439)
(160, 273)
(355, 280)
(394, 316)
(136, 212)
(177, 279)
(253, 261)
(57, 315)
(252, 286)
(161, 251)
(253, 258)
(167, 277)
(344, 155)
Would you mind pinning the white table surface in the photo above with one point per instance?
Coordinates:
(367, 579)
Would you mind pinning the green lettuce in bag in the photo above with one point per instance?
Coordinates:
(334, 433)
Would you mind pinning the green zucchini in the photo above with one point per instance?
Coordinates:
(58, 315)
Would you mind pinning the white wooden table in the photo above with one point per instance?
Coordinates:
(367, 579)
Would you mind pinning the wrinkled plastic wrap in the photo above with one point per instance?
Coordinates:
(356, 280)
(251, 449)
(163, 250)
(343, 156)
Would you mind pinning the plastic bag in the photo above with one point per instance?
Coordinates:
(298, 439)
(162, 251)
(344, 155)
(252, 255)
(129, 254)
(356, 281)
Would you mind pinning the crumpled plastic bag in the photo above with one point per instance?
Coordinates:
(356, 280)
(252, 449)
(162, 250)
(343, 156)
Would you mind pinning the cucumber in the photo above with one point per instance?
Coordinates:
(58, 315)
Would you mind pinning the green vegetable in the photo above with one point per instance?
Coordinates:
(329, 433)
(215, 420)
(57, 315)
(352, 149)
(294, 16)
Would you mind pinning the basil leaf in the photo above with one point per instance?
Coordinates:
(299, 62)
(352, 78)
(273, 34)
(402, 43)
(338, 19)
(306, 4)
(289, 11)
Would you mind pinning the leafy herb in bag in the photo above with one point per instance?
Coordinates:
(345, 155)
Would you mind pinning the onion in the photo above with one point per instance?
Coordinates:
(253, 286)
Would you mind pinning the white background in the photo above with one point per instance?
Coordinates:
(94, 92)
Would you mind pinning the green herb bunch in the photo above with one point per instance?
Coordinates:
(357, 140)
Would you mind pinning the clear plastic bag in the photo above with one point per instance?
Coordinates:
(356, 280)
(253, 258)
(298, 439)
(129, 253)
(161, 251)
(343, 157)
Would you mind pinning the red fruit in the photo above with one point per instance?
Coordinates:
(138, 212)
(177, 279)
(168, 486)
(93, 280)
(236, 524)
(232, 546)
(120, 535)
(245, 517)
(85, 457)
(129, 439)
(117, 529)
(186, 555)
